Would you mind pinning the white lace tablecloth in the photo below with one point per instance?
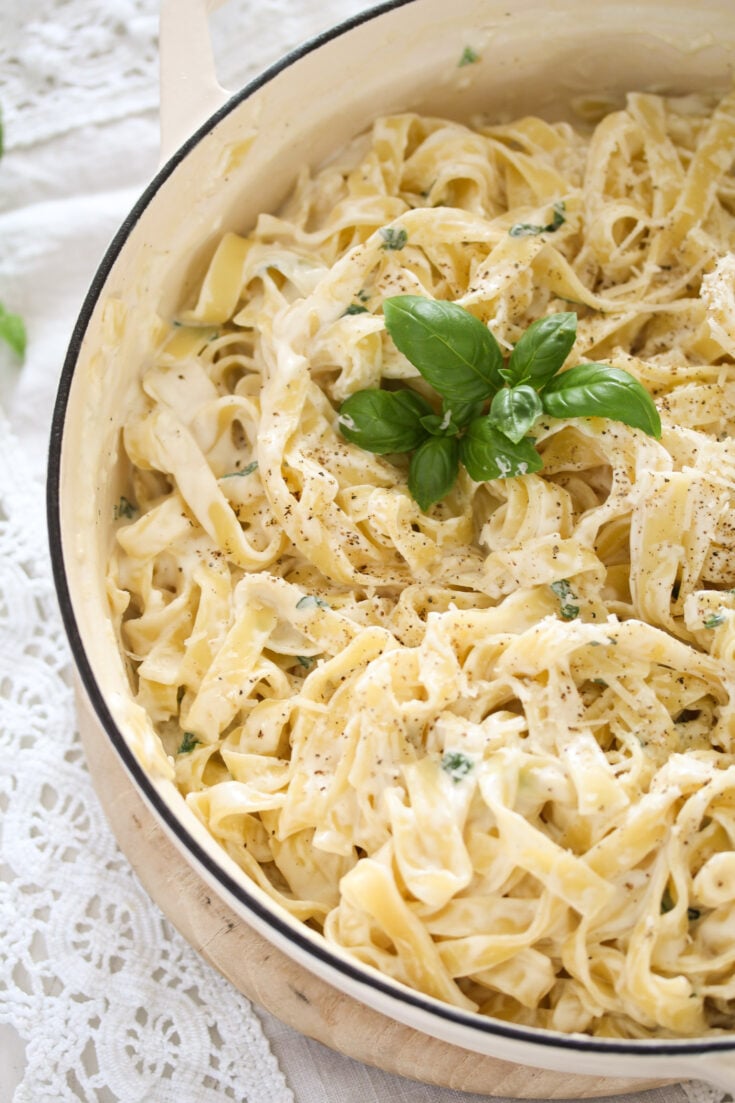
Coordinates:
(100, 999)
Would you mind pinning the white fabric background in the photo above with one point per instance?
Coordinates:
(100, 999)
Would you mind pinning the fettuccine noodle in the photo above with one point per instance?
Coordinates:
(488, 749)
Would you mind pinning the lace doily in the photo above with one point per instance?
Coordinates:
(104, 992)
(96, 62)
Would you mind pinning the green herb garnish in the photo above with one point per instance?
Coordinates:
(488, 405)
(188, 743)
(246, 470)
(311, 601)
(124, 508)
(13, 331)
(468, 57)
(306, 661)
(356, 308)
(667, 905)
(393, 238)
(714, 620)
(457, 765)
(12, 326)
(530, 229)
(563, 590)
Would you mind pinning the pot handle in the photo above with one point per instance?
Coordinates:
(189, 89)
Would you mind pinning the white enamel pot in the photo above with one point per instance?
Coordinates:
(536, 56)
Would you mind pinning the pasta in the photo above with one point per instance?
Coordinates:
(489, 748)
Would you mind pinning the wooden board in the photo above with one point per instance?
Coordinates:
(272, 980)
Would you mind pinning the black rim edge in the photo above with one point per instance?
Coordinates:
(238, 890)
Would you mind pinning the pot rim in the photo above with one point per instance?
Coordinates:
(653, 1047)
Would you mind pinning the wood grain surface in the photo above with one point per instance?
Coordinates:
(273, 981)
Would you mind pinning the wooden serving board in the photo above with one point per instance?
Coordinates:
(272, 980)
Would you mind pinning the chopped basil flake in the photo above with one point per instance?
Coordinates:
(530, 229)
(311, 601)
(124, 508)
(714, 620)
(456, 764)
(306, 661)
(188, 743)
(468, 57)
(247, 470)
(667, 905)
(563, 590)
(356, 308)
(392, 238)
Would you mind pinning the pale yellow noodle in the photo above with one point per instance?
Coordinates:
(488, 749)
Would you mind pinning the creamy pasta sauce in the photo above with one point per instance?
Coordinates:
(488, 748)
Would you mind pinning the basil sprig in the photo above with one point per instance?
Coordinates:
(488, 405)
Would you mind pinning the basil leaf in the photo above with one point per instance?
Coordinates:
(489, 454)
(384, 421)
(433, 470)
(599, 390)
(13, 331)
(461, 413)
(514, 410)
(440, 425)
(542, 349)
(452, 349)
